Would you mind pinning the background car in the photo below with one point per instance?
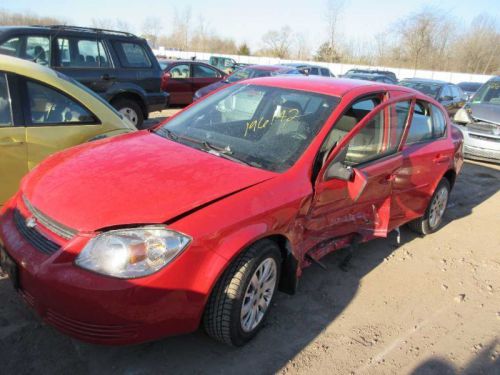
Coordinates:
(182, 78)
(375, 77)
(240, 192)
(448, 94)
(387, 73)
(41, 112)
(480, 118)
(314, 70)
(469, 88)
(117, 65)
(252, 71)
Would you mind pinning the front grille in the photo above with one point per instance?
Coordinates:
(57, 228)
(35, 238)
(91, 331)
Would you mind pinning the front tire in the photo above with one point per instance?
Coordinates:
(433, 217)
(242, 297)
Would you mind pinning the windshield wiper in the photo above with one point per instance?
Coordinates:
(224, 152)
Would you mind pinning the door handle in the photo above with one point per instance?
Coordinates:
(107, 77)
(7, 142)
(441, 159)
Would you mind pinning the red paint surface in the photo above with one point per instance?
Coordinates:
(142, 178)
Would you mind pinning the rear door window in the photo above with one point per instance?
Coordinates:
(325, 72)
(314, 71)
(132, 55)
(50, 107)
(422, 127)
(81, 53)
(438, 122)
(5, 110)
(201, 71)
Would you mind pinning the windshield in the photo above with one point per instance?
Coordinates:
(246, 73)
(265, 127)
(428, 88)
(489, 93)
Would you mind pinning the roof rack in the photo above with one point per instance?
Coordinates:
(91, 29)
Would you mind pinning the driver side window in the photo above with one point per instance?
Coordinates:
(48, 106)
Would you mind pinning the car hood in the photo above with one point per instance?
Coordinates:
(138, 178)
(208, 89)
(486, 112)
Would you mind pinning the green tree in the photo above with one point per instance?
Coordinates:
(243, 50)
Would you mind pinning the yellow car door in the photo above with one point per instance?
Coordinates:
(55, 121)
(13, 152)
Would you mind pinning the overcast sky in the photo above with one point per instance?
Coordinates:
(248, 20)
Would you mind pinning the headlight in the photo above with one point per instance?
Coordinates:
(462, 116)
(130, 253)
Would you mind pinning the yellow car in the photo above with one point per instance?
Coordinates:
(41, 112)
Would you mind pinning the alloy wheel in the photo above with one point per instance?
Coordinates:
(258, 295)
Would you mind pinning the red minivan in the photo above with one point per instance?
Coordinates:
(201, 220)
(182, 78)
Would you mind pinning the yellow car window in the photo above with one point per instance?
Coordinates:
(5, 113)
(51, 107)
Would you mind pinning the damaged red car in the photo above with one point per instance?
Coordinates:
(201, 220)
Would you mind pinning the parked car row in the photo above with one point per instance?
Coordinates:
(118, 66)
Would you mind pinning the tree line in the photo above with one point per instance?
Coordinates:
(426, 39)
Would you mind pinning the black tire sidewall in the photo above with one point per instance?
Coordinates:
(427, 228)
(127, 103)
(240, 337)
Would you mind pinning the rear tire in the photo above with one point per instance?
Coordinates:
(131, 110)
(433, 217)
(236, 309)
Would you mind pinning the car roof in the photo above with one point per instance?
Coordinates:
(66, 29)
(323, 85)
(426, 80)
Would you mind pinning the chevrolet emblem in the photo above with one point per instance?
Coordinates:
(31, 222)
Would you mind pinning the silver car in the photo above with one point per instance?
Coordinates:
(480, 123)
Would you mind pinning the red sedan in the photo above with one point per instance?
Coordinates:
(182, 78)
(202, 219)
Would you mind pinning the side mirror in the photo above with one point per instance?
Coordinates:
(338, 169)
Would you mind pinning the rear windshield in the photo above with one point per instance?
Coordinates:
(428, 88)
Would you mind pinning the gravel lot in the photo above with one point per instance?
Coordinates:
(427, 306)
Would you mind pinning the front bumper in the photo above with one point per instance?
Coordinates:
(105, 310)
(481, 145)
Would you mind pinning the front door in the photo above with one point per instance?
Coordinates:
(13, 165)
(179, 84)
(54, 121)
(358, 200)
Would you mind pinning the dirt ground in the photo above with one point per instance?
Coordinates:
(427, 306)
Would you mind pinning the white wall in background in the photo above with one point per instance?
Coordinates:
(335, 68)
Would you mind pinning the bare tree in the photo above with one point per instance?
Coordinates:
(334, 9)
(151, 29)
(278, 42)
(303, 48)
(27, 18)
